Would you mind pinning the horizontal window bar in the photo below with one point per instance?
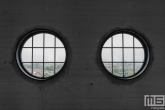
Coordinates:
(122, 47)
(43, 47)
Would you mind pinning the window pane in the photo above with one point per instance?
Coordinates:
(128, 40)
(59, 43)
(49, 55)
(60, 54)
(117, 40)
(128, 69)
(49, 40)
(37, 54)
(139, 55)
(118, 69)
(117, 55)
(48, 69)
(26, 55)
(138, 67)
(137, 43)
(128, 55)
(28, 67)
(108, 43)
(38, 69)
(28, 43)
(38, 40)
(106, 55)
(58, 67)
(108, 66)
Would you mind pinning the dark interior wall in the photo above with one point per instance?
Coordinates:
(83, 84)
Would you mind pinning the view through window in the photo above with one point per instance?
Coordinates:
(124, 55)
(42, 55)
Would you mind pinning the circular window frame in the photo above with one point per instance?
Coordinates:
(145, 46)
(23, 40)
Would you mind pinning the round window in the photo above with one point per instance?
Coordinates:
(125, 54)
(41, 54)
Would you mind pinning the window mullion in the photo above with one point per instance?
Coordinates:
(43, 53)
(123, 52)
(32, 55)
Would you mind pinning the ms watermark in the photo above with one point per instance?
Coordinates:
(155, 101)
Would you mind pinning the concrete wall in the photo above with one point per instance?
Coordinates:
(84, 84)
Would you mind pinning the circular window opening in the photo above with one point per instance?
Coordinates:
(41, 54)
(125, 54)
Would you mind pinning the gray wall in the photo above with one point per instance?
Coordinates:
(84, 84)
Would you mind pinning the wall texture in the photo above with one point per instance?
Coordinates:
(84, 84)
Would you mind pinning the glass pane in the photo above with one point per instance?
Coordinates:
(58, 67)
(59, 43)
(26, 55)
(117, 40)
(138, 67)
(49, 55)
(60, 54)
(108, 66)
(128, 69)
(108, 43)
(128, 40)
(28, 67)
(28, 43)
(38, 69)
(117, 55)
(106, 55)
(49, 40)
(38, 40)
(139, 55)
(137, 43)
(48, 69)
(128, 55)
(118, 69)
(37, 54)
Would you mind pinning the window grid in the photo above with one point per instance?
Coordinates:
(112, 62)
(32, 70)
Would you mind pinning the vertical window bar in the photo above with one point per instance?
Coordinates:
(54, 54)
(32, 55)
(112, 53)
(43, 54)
(134, 54)
(123, 53)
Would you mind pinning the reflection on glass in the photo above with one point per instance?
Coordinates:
(28, 67)
(60, 54)
(128, 55)
(117, 40)
(106, 55)
(117, 55)
(108, 66)
(58, 67)
(138, 67)
(26, 55)
(38, 69)
(49, 40)
(49, 55)
(48, 69)
(37, 54)
(128, 69)
(137, 43)
(38, 40)
(59, 43)
(28, 43)
(139, 55)
(118, 69)
(128, 40)
(107, 43)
